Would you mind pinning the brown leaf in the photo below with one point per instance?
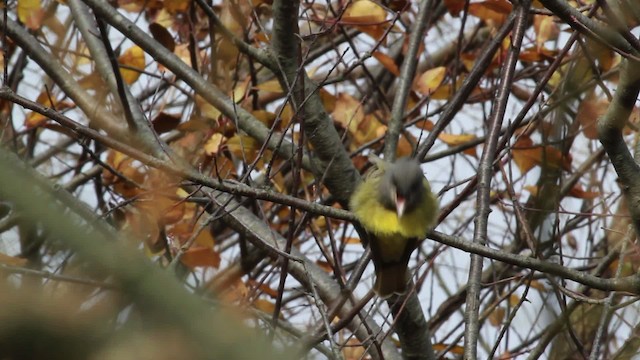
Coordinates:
(164, 122)
(497, 316)
(491, 11)
(163, 36)
(348, 112)
(589, 111)
(454, 6)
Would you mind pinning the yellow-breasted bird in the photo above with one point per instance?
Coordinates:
(394, 203)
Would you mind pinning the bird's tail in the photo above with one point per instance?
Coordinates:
(391, 279)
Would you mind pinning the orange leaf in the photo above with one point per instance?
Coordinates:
(35, 119)
(578, 192)
(324, 266)
(201, 256)
(387, 62)
(430, 80)
(425, 125)
(527, 156)
(12, 260)
(454, 140)
(133, 58)
(455, 349)
(264, 305)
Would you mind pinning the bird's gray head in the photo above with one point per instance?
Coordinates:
(401, 188)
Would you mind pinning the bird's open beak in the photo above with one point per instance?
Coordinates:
(400, 204)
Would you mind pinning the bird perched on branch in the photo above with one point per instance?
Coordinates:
(396, 207)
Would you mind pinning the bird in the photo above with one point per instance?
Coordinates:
(396, 207)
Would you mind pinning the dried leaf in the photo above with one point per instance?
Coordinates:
(546, 29)
(527, 156)
(455, 140)
(272, 85)
(455, 349)
(348, 112)
(497, 316)
(212, 145)
(30, 13)
(387, 62)
(454, 6)
(578, 192)
(589, 111)
(264, 305)
(491, 11)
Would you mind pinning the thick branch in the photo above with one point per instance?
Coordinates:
(610, 128)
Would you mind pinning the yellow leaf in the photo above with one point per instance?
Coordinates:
(546, 29)
(454, 140)
(133, 58)
(240, 91)
(212, 146)
(243, 146)
(174, 6)
(207, 110)
(430, 80)
(265, 117)
(272, 85)
(30, 13)
(364, 12)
